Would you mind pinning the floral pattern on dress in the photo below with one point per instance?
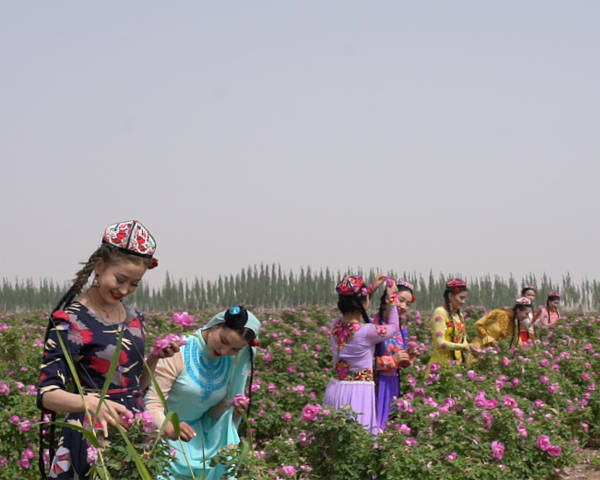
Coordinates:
(344, 373)
(91, 343)
(343, 332)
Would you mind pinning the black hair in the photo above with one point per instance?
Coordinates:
(236, 318)
(353, 303)
(525, 289)
(455, 291)
(382, 305)
(109, 254)
(517, 329)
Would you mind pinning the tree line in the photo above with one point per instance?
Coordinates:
(269, 286)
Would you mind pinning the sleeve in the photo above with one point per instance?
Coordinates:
(166, 372)
(386, 361)
(488, 328)
(383, 362)
(438, 330)
(541, 318)
(379, 333)
(54, 371)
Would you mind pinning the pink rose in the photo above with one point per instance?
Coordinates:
(554, 450)
(310, 412)
(184, 319)
(288, 471)
(497, 450)
(543, 442)
(450, 457)
(287, 417)
(240, 400)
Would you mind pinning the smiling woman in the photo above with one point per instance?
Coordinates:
(199, 384)
(86, 333)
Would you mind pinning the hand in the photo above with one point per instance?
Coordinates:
(402, 358)
(186, 433)
(389, 289)
(169, 350)
(110, 412)
(475, 350)
(379, 279)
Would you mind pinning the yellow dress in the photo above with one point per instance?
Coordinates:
(495, 325)
(448, 336)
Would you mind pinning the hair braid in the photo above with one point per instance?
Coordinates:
(363, 312)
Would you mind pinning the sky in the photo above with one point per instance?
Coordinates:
(410, 136)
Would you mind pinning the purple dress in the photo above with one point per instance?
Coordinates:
(352, 384)
(388, 380)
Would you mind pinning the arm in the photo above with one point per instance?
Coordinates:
(167, 371)
(488, 328)
(379, 333)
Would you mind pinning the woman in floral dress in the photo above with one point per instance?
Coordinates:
(87, 330)
(353, 338)
(392, 354)
(448, 327)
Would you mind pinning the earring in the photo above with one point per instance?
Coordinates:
(95, 282)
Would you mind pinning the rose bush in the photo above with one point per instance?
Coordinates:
(514, 414)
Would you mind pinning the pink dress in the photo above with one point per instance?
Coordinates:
(545, 320)
(352, 384)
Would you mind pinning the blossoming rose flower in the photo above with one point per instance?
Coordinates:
(310, 412)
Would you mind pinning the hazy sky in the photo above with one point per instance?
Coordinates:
(453, 136)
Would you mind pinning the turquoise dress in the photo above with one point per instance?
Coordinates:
(203, 383)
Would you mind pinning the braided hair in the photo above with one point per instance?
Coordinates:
(517, 330)
(353, 303)
(110, 255)
(235, 319)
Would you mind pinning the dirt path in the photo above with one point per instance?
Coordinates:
(587, 469)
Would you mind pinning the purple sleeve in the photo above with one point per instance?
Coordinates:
(379, 333)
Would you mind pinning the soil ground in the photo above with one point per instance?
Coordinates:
(588, 467)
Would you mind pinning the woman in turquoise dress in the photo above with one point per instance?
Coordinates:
(198, 384)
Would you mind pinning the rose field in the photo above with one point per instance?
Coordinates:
(514, 414)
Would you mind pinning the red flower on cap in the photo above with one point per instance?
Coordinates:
(456, 285)
(554, 294)
(529, 287)
(131, 237)
(350, 285)
(523, 301)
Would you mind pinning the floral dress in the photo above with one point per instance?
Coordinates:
(91, 343)
(448, 336)
(353, 385)
(495, 325)
(388, 380)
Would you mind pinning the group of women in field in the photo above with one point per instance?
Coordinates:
(369, 351)
(199, 376)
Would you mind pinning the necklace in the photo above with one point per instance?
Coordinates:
(105, 314)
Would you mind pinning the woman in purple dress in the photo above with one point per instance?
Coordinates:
(393, 353)
(352, 341)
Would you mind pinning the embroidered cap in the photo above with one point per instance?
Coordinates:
(350, 285)
(528, 287)
(553, 296)
(523, 301)
(409, 286)
(456, 285)
(132, 237)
